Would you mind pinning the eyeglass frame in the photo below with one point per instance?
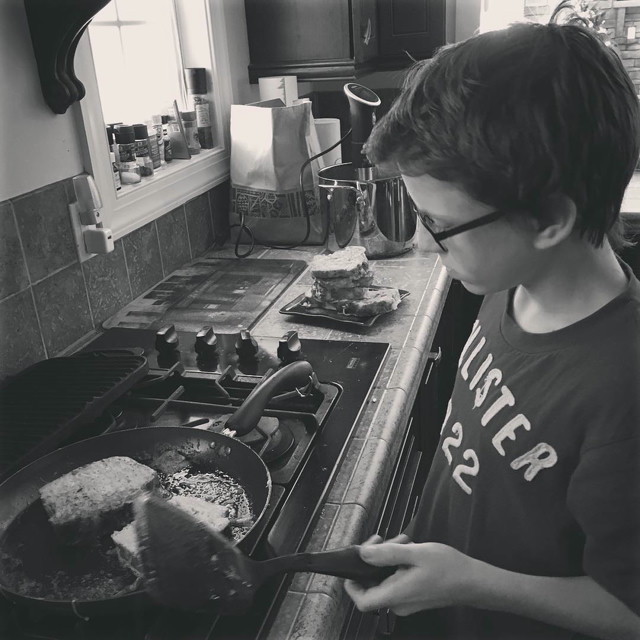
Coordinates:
(461, 228)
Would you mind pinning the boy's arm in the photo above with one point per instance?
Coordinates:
(434, 575)
(579, 603)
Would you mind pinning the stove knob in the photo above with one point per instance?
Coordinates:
(246, 346)
(290, 347)
(206, 343)
(167, 339)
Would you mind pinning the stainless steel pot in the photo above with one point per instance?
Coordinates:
(375, 213)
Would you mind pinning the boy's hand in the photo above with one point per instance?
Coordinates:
(429, 575)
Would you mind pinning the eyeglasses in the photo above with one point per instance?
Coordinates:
(438, 236)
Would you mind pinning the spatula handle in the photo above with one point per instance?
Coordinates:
(342, 563)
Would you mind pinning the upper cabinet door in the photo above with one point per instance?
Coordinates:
(410, 29)
(336, 39)
(289, 37)
(365, 38)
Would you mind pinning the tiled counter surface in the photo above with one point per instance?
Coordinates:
(316, 606)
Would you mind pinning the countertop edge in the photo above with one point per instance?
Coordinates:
(317, 605)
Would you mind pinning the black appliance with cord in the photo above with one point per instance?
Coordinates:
(363, 204)
(195, 380)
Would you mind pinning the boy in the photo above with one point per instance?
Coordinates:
(516, 147)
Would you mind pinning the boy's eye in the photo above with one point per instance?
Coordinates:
(432, 224)
(436, 226)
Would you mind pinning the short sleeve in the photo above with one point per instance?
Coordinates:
(604, 498)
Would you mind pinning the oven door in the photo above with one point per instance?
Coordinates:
(403, 496)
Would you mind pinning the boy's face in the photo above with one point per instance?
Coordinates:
(497, 256)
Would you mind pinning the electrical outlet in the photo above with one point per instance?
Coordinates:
(78, 228)
(631, 33)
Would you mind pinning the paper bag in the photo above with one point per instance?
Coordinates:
(269, 144)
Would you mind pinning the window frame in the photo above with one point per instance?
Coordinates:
(180, 180)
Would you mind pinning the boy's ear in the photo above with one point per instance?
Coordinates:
(555, 222)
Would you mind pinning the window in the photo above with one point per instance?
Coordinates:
(498, 14)
(136, 53)
(131, 62)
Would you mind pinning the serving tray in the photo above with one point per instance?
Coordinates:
(298, 307)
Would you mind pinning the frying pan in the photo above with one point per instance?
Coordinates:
(31, 540)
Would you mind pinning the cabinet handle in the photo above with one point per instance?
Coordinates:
(435, 356)
(368, 33)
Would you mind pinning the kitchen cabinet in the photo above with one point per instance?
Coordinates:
(333, 39)
(411, 29)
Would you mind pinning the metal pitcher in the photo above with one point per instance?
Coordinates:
(375, 213)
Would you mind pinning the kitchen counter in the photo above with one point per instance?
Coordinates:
(315, 606)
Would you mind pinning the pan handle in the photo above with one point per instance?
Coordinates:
(296, 374)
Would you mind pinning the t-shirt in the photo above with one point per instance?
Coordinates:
(538, 466)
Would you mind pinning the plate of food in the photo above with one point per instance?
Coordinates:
(343, 290)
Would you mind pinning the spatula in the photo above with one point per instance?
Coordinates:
(188, 566)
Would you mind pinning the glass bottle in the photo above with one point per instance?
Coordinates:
(196, 80)
(156, 127)
(128, 165)
(112, 156)
(166, 139)
(143, 156)
(191, 131)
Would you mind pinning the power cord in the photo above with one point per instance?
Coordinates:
(244, 228)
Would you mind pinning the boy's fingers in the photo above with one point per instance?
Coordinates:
(354, 589)
(400, 539)
(368, 599)
(387, 554)
(374, 539)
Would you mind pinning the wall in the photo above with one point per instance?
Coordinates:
(467, 18)
(618, 23)
(38, 146)
(48, 300)
(619, 18)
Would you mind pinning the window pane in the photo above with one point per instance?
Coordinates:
(141, 9)
(137, 60)
(108, 13)
(498, 14)
(110, 71)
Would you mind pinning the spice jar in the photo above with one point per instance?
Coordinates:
(127, 163)
(143, 156)
(112, 157)
(196, 80)
(190, 131)
(166, 140)
(156, 130)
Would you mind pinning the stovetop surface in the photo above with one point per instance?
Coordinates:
(232, 364)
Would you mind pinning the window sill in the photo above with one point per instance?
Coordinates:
(169, 187)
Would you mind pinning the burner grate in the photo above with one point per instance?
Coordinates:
(44, 404)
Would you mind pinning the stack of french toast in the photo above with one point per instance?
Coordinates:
(343, 282)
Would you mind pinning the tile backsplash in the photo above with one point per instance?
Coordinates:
(49, 300)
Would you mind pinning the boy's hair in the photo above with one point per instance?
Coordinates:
(517, 116)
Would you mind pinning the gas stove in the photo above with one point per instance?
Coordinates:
(198, 379)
